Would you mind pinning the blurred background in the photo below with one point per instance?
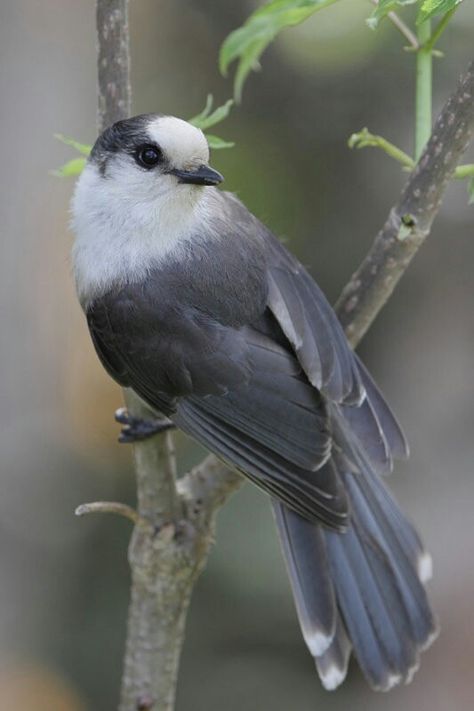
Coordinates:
(63, 580)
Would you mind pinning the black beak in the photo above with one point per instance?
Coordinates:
(204, 175)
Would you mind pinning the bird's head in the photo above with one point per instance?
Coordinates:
(151, 154)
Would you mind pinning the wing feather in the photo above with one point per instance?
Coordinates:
(312, 328)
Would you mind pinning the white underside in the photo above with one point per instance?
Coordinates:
(119, 237)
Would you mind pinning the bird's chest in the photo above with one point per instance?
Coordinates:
(180, 312)
(223, 282)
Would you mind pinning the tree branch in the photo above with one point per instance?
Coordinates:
(175, 519)
(158, 548)
(173, 528)
(113, 62)
(410, 220)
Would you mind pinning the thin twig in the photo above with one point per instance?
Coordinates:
(365, 139)
(439, 29)
(108, 507)
(404, 29)
(397, 22)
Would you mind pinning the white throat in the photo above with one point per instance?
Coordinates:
(120, 236)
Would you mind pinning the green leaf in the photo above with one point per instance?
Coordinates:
(71, 168)
(430, 8)
(247, 43)
(79, 147)
(196, 120)
(206, 119)
(217, 143)
(365, 139)
(383, 8)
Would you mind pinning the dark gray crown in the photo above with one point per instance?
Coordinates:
(123, 136)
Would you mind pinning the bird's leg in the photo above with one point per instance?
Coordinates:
(136, 429)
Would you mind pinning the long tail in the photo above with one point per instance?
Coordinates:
(362, 590)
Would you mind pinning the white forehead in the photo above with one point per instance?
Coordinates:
(181, 142)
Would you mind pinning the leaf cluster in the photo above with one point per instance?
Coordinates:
(427, 9)
(246, 44)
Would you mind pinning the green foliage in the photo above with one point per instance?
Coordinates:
(430, 8)
(247, 43)
(365, 139)
(70, 169)
(383, 8)
(73, 167)
(216, 143)
(208, 118)
(82, 148)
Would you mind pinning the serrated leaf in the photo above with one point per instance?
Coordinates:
(383, 8)
(217, 143)
(79, 147)
(430, 8)
(247, 43)
(71, 168)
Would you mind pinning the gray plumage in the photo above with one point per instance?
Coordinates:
(230, 337)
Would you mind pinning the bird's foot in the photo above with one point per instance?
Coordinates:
(136, 429)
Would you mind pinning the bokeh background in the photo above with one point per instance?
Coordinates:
(63, 580)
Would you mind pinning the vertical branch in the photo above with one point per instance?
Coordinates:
(173, 530)
(113, 62)
(167, 549)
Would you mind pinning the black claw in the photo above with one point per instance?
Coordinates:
(136, 429)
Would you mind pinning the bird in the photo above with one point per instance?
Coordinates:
(197, 307)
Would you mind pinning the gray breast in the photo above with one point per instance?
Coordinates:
(224, 278)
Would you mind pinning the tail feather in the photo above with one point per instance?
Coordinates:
(332, 664)
(401, 528)
(402, 548)
(380, 649)
(305, 554)
(373, 569)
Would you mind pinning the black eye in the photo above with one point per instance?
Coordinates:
(148, 156)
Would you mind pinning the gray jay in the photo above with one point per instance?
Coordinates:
(196, 306)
